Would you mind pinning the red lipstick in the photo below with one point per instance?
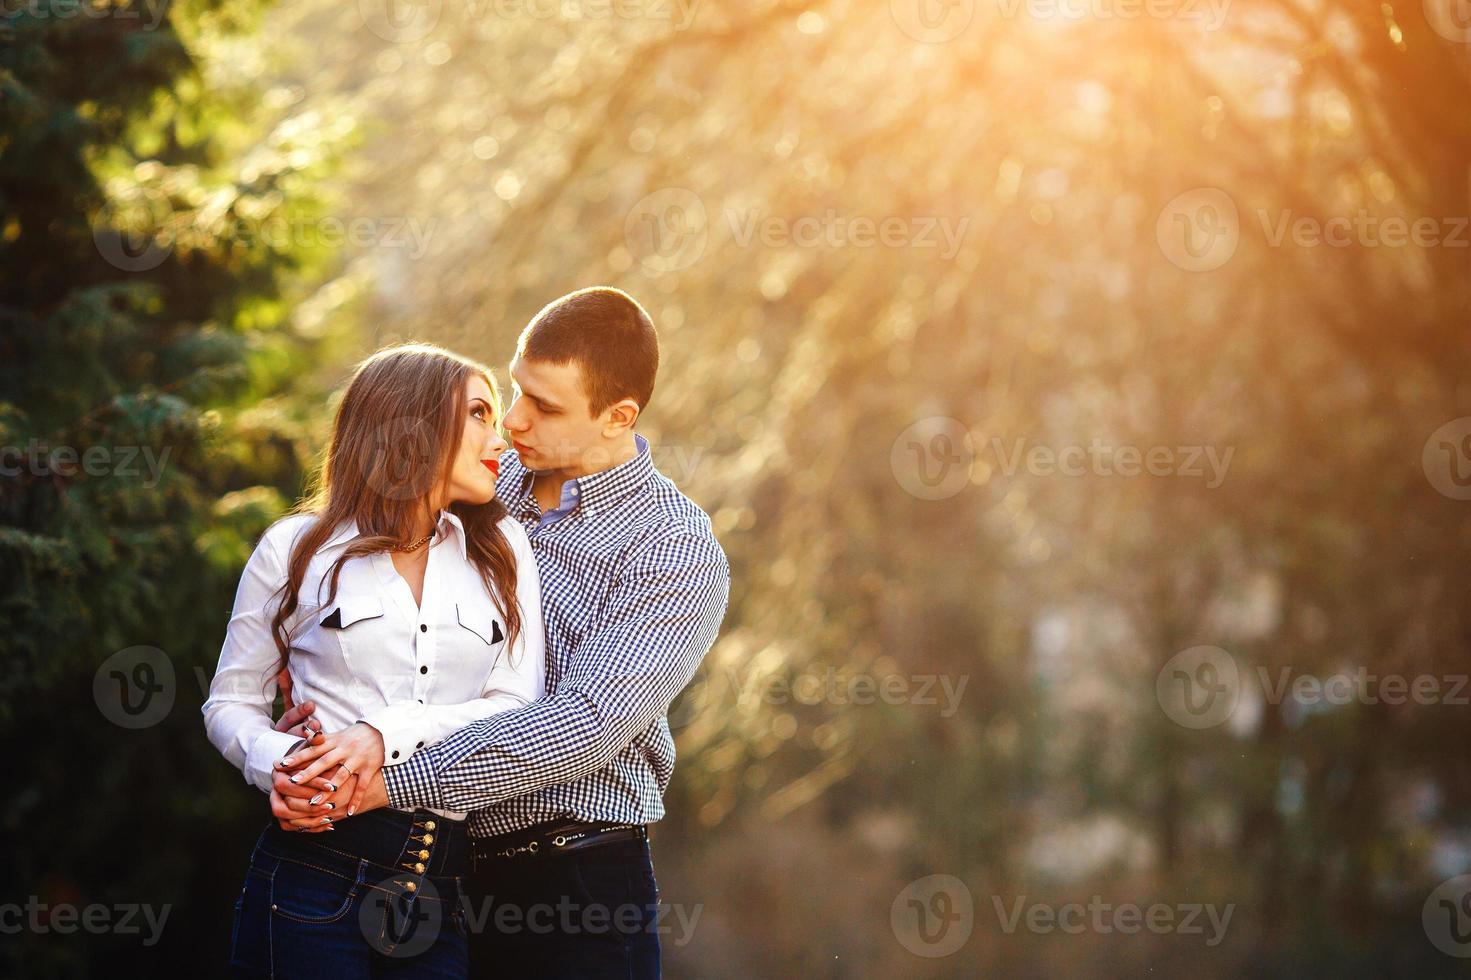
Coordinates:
(494, 465)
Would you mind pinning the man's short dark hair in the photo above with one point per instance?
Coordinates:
(606, 333)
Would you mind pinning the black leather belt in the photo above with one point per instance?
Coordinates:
(553, 838)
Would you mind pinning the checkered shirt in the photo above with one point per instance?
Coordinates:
(634, 587)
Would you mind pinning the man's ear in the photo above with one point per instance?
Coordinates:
(621, 417)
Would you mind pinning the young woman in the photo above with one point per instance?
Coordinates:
(404, 603)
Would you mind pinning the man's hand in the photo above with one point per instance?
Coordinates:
(353, 753)
(373, 795)
(299, 719)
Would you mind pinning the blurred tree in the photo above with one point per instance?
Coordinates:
(152, 296)
(548, 152)
(640, 151)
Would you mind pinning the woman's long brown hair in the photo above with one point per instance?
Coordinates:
(393, 445)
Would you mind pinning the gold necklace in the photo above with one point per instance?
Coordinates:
(416, 545)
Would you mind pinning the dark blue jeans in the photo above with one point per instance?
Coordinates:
(380, 896)
(584, 915)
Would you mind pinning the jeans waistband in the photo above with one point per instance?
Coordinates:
(418, 843)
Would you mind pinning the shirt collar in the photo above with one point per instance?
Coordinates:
(448, 522)
(571, 490)
(596, 492)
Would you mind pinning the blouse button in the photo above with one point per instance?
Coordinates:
(419, 746)
(423, 670)
(423, 627)
(395, 753)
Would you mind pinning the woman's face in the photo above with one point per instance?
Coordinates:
(477, 461)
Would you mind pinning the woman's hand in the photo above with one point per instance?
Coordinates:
(353, 752)
(310, 808)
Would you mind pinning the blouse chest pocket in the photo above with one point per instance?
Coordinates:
(347, 610)
(351, 620)
(479, 621)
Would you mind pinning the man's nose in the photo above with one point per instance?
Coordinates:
(513, 420)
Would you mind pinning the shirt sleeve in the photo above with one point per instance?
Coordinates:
(513, 682)
(657, 623)
(237, 714)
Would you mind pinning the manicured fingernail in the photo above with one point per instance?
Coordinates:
(296, 778)
(326, 820)
(287, 761)
(332, 787)
(331, 806)
(351, 810)
(317, 799)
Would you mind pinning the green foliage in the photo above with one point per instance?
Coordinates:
(143, 302)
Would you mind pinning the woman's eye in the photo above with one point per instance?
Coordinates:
(479, 413)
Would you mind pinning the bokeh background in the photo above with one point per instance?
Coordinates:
(1080, 388)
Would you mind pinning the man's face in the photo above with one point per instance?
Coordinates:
(549, 424)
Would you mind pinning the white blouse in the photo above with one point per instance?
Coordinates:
(415, 673)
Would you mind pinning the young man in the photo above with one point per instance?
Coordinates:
(634, 588)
